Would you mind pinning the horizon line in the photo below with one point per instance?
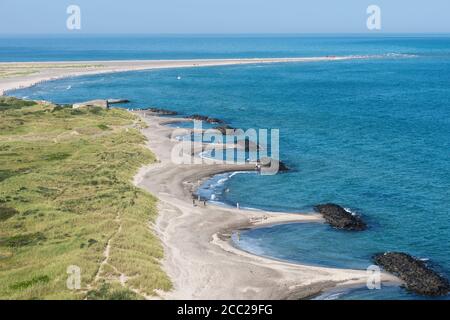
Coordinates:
(378, 33)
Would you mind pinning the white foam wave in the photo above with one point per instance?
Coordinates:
(222, 181)
(375, 56)
(204, 155)
(332, 295)
(400, 55)
(226, 177)
(215, 186)
(353, 213)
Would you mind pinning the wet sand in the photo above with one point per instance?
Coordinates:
(14, 75)
(199, 256)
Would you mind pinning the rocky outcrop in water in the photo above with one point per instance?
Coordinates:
(340, 218)
(163, 112)
(272, 164)
(419, 278)
(204, 118)
(116, 101)
(225, 129)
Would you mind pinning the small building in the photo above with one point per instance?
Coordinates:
(93, 103)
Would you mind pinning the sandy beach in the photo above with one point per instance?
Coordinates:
(199, 255)
(14, 75)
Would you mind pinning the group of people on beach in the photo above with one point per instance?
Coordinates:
(199, 200)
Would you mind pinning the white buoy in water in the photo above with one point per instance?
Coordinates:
(178, 78)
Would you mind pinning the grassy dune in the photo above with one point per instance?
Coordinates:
(67, 198)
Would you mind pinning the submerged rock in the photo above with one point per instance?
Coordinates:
(164, 112)
(419, 278)
(204, 118)
(340, 218)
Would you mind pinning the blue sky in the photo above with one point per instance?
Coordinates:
(224, 16)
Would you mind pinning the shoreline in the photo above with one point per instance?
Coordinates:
(199, 252)
(198, 255)
(27, 74)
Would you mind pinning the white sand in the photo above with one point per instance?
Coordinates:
(199, 256)
(25, 74)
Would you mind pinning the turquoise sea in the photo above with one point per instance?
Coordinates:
(370, 134)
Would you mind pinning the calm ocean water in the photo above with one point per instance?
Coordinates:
(372, 135)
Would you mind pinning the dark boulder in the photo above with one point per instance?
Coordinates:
(251, 146)
(225, 129)
(163, 112)
(419, 278)
(282, 166)
(204, 118)
(340, 218)
(267, 162)
(214, 120)
(116, 101)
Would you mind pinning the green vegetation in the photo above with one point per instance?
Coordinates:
(66, 196)
(29, 283)
(6, 104)
(107, 291)
(6, 213)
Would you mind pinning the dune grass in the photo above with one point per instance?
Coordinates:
(66, 192)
